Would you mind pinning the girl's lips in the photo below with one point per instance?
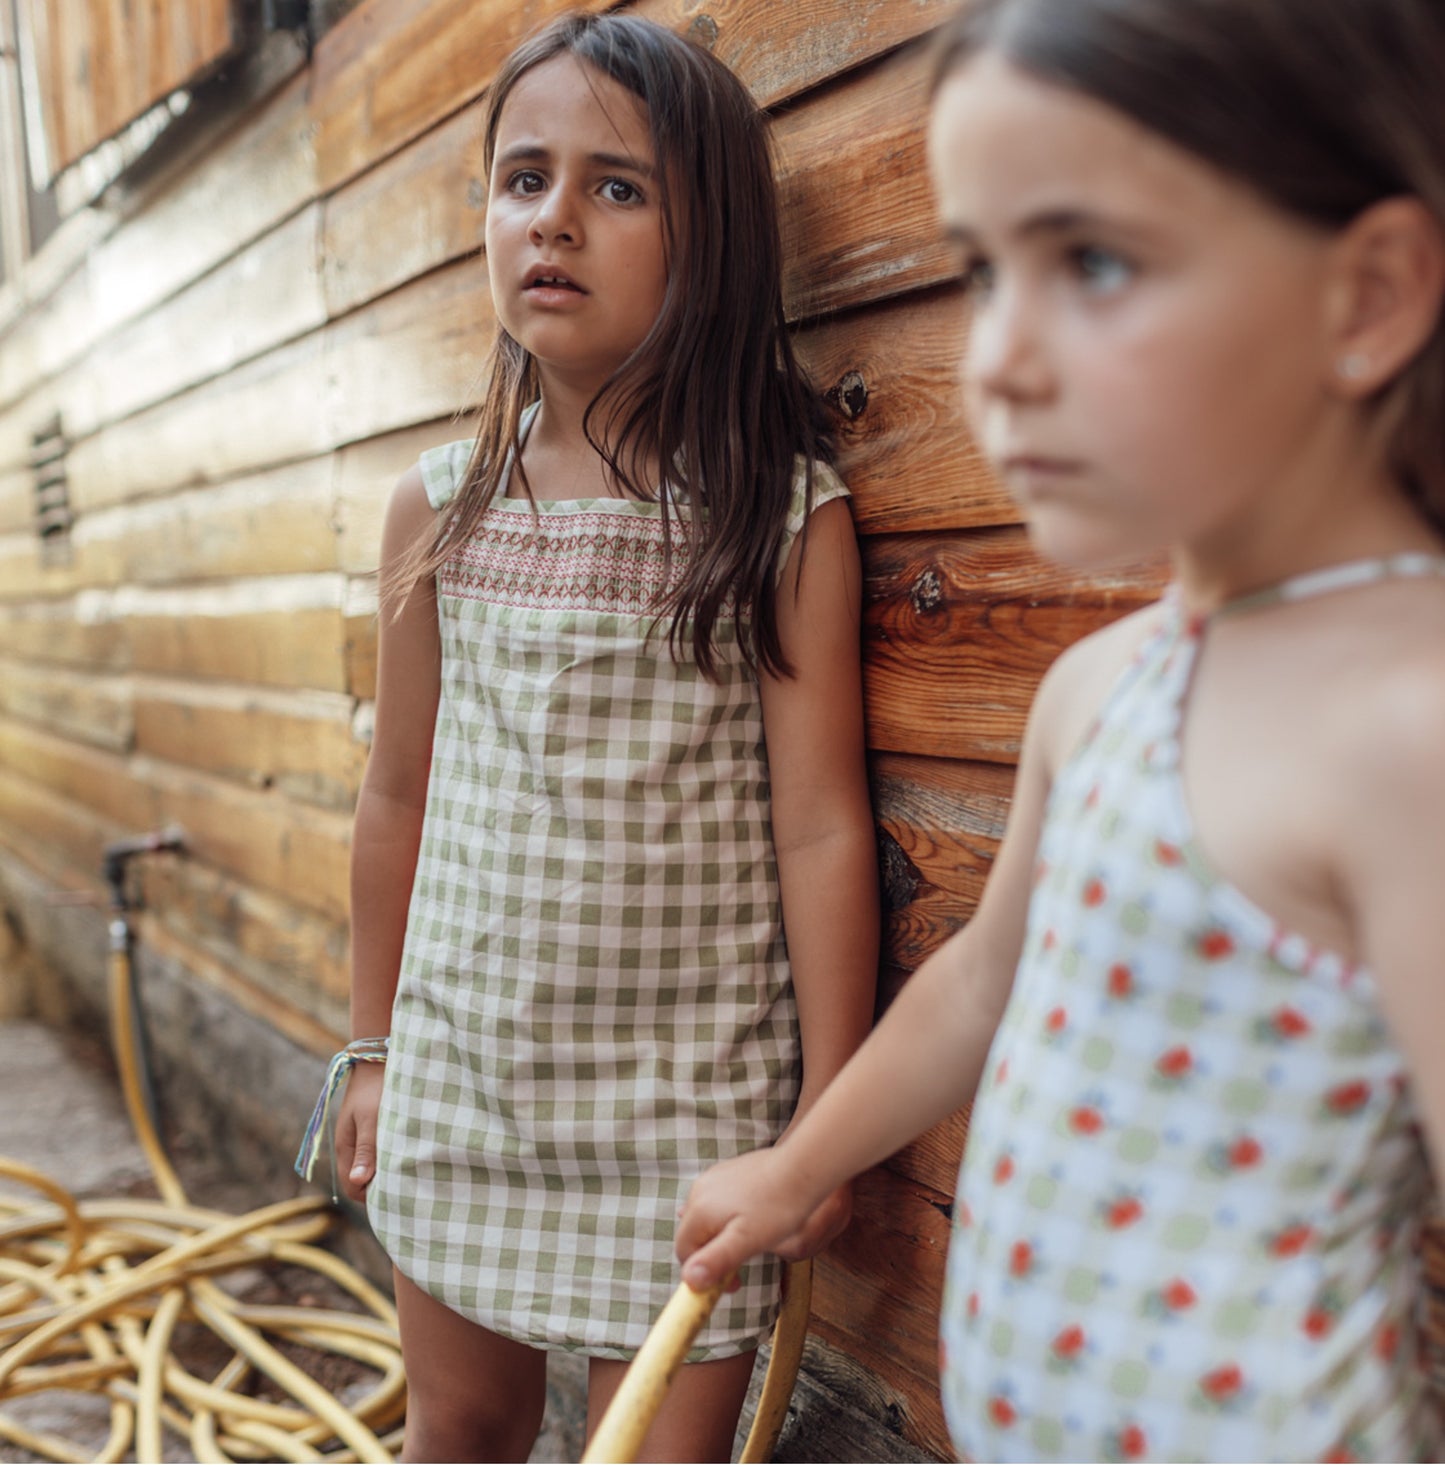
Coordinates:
(547, 278)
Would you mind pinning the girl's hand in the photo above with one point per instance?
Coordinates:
(738, 1209)
(356, 1130)
(828, 1222)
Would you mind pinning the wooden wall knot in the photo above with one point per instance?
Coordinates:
(703, 31)
(849, 395)
(898, 876)
(926, 592)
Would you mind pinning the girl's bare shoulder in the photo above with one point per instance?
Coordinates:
(1076, 686)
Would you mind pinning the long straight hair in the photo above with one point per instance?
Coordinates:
(1323, 107)
(714, 394)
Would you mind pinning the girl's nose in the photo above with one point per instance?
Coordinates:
(555, 217)
(1005, 355)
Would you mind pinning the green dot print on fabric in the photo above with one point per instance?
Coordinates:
(1236, 1318)
(1138, 1145)
(1042, 1192)
(1245, 1096)
(1098, 1054)
(1129, 1379)
(1134, 919)
(1185, 1010)
(1081, 1285)
(1001, 1339)
(1047, 1435)
(1185, 1233)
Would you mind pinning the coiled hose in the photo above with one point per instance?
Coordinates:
(92, 1292)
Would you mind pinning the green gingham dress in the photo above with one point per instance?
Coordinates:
(594, 1001)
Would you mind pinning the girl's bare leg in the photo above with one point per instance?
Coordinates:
(471, 1395)
(699, 1417)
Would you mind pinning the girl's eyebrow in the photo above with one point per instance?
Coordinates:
(532, 152)
(1058, 221)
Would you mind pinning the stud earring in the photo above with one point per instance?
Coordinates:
(1353, 366)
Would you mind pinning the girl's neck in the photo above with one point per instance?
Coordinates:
(559, 460)
(1357, 517)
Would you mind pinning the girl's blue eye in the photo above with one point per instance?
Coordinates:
(1101, 269)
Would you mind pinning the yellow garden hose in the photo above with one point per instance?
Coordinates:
(634, 1406)
(93, 1292)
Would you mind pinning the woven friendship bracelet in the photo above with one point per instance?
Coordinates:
(363, 1050)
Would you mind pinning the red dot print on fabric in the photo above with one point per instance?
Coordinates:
(1318, 1323)
(1168, 854)
(1178, 1295)
(1175, 1063)
(1348, 1098)
(1215, 945)
(1095, 893)
(1001, 1412)
(1121, 981)
(1223, 1383)
(1292, 1240)
(1056, 1021)
(1123, 1212)
(1003, 1171)
(1245, 1152)
(1291, 1024)
(1133, 1444)
(1086, 1120)
(1070, 1342)
(1020, 1259)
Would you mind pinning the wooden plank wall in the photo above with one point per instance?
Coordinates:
(244, 365)
(102, 63)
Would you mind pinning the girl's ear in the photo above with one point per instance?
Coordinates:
(1391, 288)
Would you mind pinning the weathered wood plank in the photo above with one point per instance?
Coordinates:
(280, 950)
(81, 633)
(106, 68)
(391, 69)
(933, 1158)
(876, 1294)
(92, 709)
(365, 475)
(958, 629)
(52, 833)
(17, 502)
(274, 523)
(860, 140)
(285, 632)
(783, 50)
(888, 371)
(422, 207)
(414, 356)
(259, 837)
(97, 781)
(316, 1031)
(266, 295)
(300, 744)
(939, 824)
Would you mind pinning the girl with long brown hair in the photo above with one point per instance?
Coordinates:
(618, 748)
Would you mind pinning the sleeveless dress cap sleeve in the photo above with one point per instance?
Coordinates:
(827, 486)
(442, 471)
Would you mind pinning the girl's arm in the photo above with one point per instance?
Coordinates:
(1391, 827)
(921, 1063)
(822, 823)
(387, 831)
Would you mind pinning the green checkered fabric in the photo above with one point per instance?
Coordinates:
(594, 1000)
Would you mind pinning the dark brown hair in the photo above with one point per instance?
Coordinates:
(1324, 107)
(714, 392)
